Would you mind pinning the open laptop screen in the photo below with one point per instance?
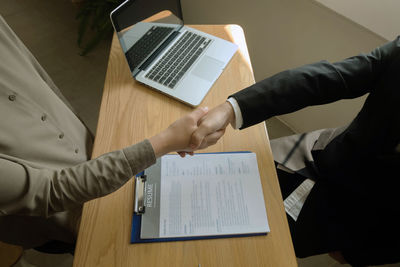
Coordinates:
(141, 41)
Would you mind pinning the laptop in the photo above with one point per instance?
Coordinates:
(174, 59)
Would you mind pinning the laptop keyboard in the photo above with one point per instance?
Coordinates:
(146, 44)
(173, 65)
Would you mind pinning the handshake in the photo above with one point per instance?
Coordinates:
(196, 130)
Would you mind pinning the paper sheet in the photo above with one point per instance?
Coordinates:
(211, 194)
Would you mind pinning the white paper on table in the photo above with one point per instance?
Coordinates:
(211, 194)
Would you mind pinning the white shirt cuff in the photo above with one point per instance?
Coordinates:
(238, 113)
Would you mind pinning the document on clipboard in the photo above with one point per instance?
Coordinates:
(208, 195)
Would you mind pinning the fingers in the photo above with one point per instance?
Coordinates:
(196, 126)
(181, 153)
(196, 116)
(216, 119)
(205, 128)
(211, 139)
(198, 113)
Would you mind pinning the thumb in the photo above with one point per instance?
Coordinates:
(199, 112)
(196, 139)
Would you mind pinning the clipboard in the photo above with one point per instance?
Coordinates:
(141, 199)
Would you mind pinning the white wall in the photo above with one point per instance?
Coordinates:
(284, 34)
(381, 17)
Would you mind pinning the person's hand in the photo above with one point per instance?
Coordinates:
(212, 126)
(177, 136)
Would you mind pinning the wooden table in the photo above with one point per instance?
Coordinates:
(131, 112)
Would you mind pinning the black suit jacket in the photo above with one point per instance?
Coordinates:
(353, 206)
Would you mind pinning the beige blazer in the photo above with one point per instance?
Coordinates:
(45, 171)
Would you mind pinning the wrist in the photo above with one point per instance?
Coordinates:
(160, 144)
(229, 112)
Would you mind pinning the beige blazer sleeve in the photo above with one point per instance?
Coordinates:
(25, 190)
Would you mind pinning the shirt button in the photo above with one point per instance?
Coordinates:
(76, 150)
(44, 117)
(61, 136)
(11, 97)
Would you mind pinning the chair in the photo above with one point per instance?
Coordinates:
(9, 254)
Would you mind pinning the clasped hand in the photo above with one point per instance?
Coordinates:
(196, 130)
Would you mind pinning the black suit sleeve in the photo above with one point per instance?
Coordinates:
(314, 84)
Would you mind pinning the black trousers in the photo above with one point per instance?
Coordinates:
(56, 247)
(308, 235)
(288, 182)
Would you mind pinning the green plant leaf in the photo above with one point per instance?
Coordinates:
(83, 25)
(94, 15)
(98, 16)
(96, 39)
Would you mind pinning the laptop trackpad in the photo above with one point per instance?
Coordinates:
(208, 68)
